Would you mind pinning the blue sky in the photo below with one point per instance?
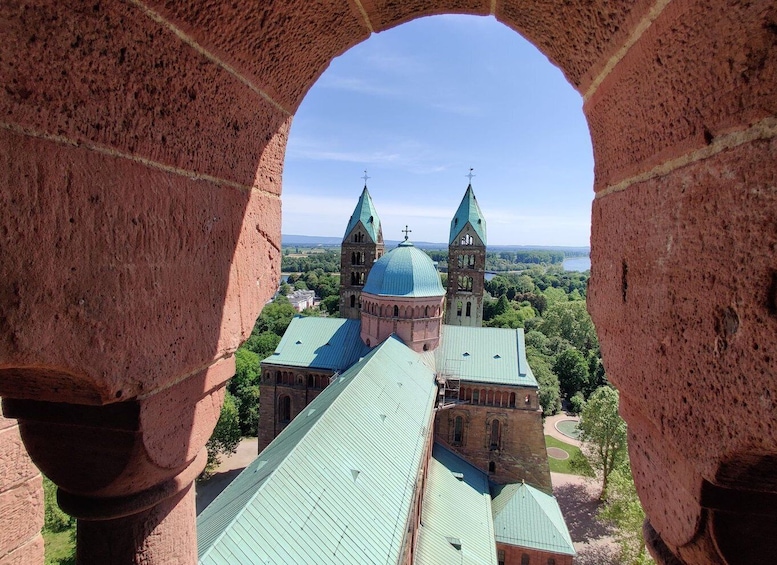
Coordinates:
(417, 106)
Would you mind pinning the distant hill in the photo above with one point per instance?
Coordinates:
(291, 239)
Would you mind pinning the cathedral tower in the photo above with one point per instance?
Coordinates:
(466, 264)
(362, 246)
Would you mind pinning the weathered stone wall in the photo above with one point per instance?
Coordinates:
(521, 453)
(21, 500)
(272, 387)
(514, 555)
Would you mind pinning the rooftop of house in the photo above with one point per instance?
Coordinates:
(336, 486)
(320, 343)
(528, 517)
(456, 522)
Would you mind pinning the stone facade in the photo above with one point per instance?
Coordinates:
(283, 393)
(415, 320)
(499, 430)
(466, 279)
(514, 555)
(357, 254)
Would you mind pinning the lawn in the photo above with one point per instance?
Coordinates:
(563, 466)
(60, 547)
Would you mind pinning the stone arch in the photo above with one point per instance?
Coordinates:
(658, 184)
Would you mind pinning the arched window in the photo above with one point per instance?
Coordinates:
(458, 307)
(476, 397)
(458, 430)
(469, 309)
(353, 300)
(396, 311)
(495, 435)
(284, 409)
(426, 312)
(527, 400)
(512, 400)
(551, 561)
(492, 467)
(311, 381)
(277, 377)
(524, 559)
(353, 258)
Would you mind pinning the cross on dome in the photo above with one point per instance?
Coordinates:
(470, 175)
(365, 177)
(406, 231)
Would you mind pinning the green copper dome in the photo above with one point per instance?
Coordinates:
(404, 271)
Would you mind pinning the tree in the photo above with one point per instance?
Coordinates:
(275, 317)
(571, 321)
(603, 433)
(244, 389)
(263, 344)
(572, 371)
(549, 394)
(225, 437)
(331, 304)
(624, 511)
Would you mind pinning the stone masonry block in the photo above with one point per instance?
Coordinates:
(270, 42)
(686, 263)
(15, 464)
(21, 514)
(30, 553)
(704, 68)
(140, 274)
(107, 73)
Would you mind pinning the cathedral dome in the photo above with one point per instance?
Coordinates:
(404, 271)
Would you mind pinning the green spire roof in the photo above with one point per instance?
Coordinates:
(404, 271)
(366, 214)
(468, 211)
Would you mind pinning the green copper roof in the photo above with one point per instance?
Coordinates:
(320, 343)
(366, 214)
(336, 486)
(468, 211)
(485, 355)
(404, 271)
(528, 517)
(456, 523)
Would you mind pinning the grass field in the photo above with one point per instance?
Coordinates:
(563, 466)
(60, 547)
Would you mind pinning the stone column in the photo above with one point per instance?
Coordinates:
(126, 470)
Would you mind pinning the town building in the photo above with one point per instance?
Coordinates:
(301, 299)
(394, 438)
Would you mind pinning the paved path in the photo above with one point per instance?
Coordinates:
(550, 428)
(230, 468)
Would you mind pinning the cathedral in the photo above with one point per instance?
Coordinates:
(402, 432)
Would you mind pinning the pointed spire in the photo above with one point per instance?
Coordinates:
(468, 212)
(366, 213)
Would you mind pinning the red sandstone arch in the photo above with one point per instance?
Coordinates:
(142, 149)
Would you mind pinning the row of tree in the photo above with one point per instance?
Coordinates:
(561, 343)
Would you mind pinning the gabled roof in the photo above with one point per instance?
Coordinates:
(484, 355)
(528, 517)
(320, 343)
(365, 213)
(468, 212)
(404, 271)
(456, 508)
(336, 486)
